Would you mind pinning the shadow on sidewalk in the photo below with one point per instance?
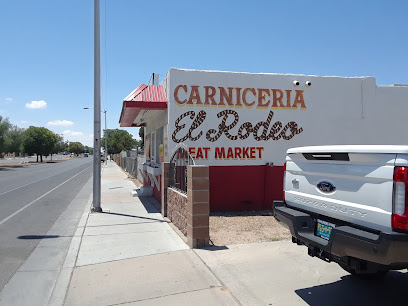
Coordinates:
(8, 168)
(214, 247)
(389, 290)
(244, 213)
(151, 205)
(30, 237)
(132, 216)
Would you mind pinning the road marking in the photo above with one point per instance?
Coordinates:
(32, 182)
(21, 209)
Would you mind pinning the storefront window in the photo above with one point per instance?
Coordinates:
(147, 147)
(158, 141)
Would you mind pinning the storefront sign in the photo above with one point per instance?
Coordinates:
(262, 130)
(261, 98)
(225, 123)
(221, 153)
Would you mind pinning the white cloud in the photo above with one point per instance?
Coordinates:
(85, 139)
(60, 123)
(37, 104)
(23, 123)
(9, 99)
(72, 133)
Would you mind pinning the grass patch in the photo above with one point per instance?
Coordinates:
(276, 239)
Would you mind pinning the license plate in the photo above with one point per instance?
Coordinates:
(324, 229)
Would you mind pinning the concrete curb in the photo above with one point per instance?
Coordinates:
(64, 278)
(38, 281)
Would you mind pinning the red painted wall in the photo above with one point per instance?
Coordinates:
(234, 188)
(156, 192)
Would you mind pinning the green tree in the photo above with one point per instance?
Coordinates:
(136, 143)
(14, 139)
(118, 141)
(66, 146)
(4, 127)
(141, 135)
(88, 149)
(39, 140)
(76, 147)
(59, 146)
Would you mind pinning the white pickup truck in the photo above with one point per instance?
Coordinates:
(349, 205)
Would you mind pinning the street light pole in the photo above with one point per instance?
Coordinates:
(96, 203)
(106, 133)
(106, 140)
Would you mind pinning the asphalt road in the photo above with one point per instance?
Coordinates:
(31, 199)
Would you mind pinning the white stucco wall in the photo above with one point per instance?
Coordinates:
(155, 120)
(387, 116)
(156, 126)
(336, 110)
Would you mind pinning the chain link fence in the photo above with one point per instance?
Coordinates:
(130, 160)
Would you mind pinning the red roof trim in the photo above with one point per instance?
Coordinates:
(151, 97)
(146, 105)
(148, 93)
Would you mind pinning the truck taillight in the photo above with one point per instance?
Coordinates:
(284, 178)
(400, 199)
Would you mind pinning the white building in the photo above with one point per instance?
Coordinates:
(241, 124)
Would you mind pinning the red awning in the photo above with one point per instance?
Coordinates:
(144, 97)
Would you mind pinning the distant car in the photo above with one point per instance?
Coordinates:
(85, 154)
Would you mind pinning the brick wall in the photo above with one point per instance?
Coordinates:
(164, 185)
(177, 209)
(198, 207)
(190, 213)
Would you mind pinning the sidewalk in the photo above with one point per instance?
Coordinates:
(130, 254)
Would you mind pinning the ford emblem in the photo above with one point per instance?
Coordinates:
(326, 187)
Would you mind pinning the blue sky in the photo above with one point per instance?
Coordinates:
(46, 49)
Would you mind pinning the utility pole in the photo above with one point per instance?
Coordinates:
(106, 133)
(96, 203)
(106, 140)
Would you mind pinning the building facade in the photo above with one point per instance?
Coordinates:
(241, 124)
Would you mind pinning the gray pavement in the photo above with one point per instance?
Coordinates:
(128, 228)
(147, 280)
(281, 273)
(130, 255)
(269, 273)
(35, 279)
(31, 200)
